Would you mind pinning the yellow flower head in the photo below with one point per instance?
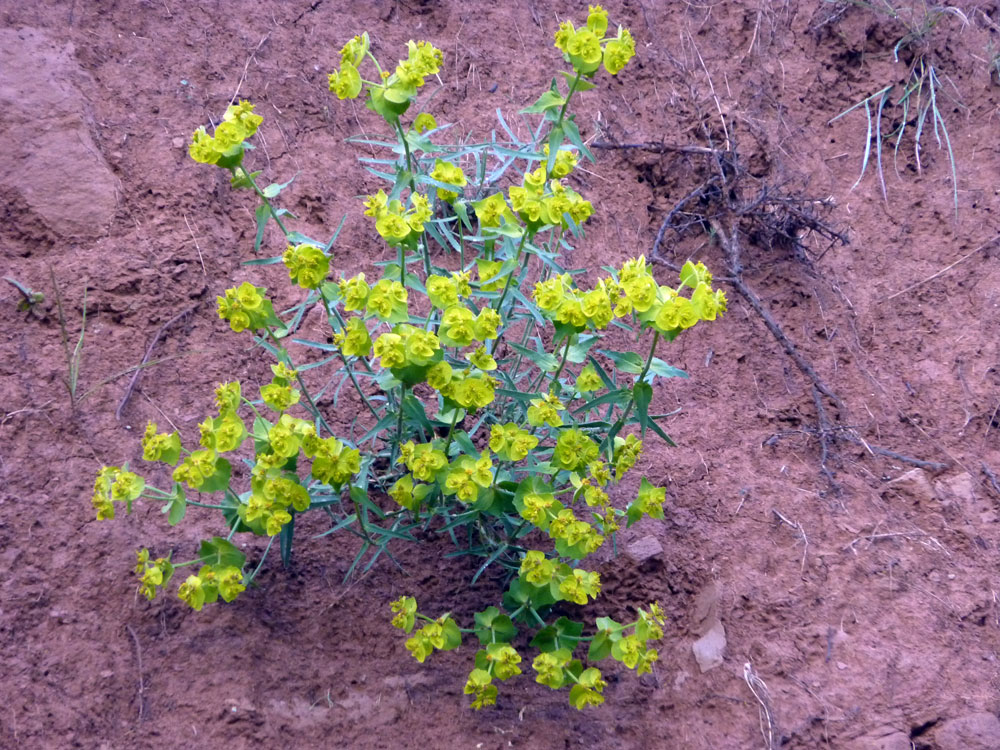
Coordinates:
(423, 122)
(450, 174)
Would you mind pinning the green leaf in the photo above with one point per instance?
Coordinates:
(658, 367)
(624, 361)
(222, 553)
(262, 261)
(600, 647)
(545, 361)
(617, 398)
(263, 213)
(642, 393)
(573, 133)
(452, 635)
(549, 100)
(563, 633)
(176, 506)
(582, 85)
(220, 479)
(360, 496)
(659, 431)
(272, 190)
(578, 351)
(285, 540)
(556, 138)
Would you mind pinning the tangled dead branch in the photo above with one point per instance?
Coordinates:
(737, 210)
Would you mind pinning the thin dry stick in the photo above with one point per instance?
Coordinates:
(802, 532)
(656, 148)
(731, 245)
(768, 724)
(992, 477)
(142, 681)
(246, 67)
(944, 270)
(201, 259)
(145, 359)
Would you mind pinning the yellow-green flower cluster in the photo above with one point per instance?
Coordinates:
(546, 513)
(493, 210)
(406, 345)
(449, 174)
(423, 459)
(510, 442)
(423, 60)
(407, 494)
(307, 265)
(115, 485)
(470, 391)
(460, 326)
(197, 468)
(387, 301)
(557, 298)
(396, 223)
(633, 650)
(649, 502)
(279, 394)
(392, 95)
(225, 432)
(467, 475)
(585, 48)
(626, 453)
(270, 499)
(635, 291)
(566, 161)
(212, 582)
(574, 449)
(346, 82)
(160, 446)
(245, 306)
(446, 291)
(441, 634)
(588, 380)
(334, 463)
(153, 574)
(545, 410)
(405, 611)
(556, 668)
(423, 122)
(538, 207)
(225, 146)
(497, 660)
(354, 293)
(574, 585)
(354, 340)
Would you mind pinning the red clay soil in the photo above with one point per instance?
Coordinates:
(860, 609)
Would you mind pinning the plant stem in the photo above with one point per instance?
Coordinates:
(413, 187)
(261, 563)
(451, 432)
(267, 201)
(205, 505)
(510, 276)
(298, 378)
(399, 426)
(628, 409)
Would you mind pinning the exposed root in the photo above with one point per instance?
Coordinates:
(769, 217)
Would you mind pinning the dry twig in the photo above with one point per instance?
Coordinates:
(145, 359)
(142, 679)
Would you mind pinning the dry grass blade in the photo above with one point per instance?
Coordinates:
(765, 708)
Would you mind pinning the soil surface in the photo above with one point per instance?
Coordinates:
(846, 541)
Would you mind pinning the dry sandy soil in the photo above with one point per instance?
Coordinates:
(847, 541)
